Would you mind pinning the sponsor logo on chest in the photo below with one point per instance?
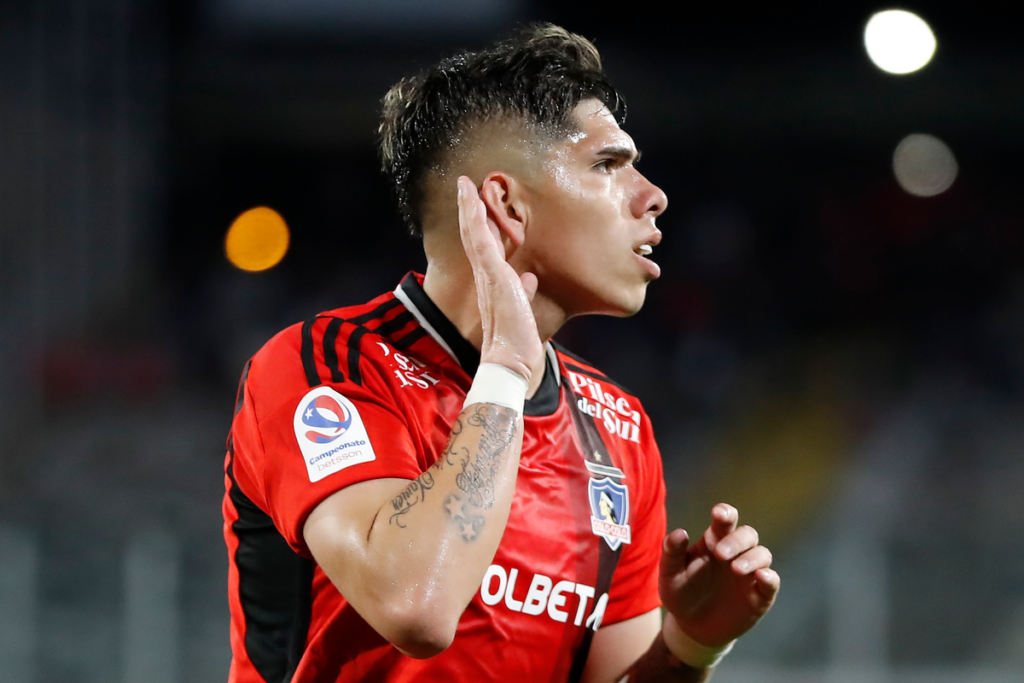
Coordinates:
(603, 404)
(557, 601)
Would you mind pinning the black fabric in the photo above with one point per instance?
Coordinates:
(377, 312)
(306, 352)
(594, 450)
(353, 354)
(395, 324)
(303, 615)
(545, 400)
(331, 350)
(274, 588)
(411, 338)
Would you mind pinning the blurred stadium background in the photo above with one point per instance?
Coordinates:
(842, 360)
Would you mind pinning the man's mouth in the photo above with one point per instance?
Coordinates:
(644, 250)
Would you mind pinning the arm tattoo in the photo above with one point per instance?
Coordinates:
(476, 480)
(412, 494)
(477, 474)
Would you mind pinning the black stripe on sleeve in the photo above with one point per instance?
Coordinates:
(377, 312)
(395, 324)
(308, 358)
(353, 355)
(411, 338)
(331, 350)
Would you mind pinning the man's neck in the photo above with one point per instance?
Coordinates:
(453, 291)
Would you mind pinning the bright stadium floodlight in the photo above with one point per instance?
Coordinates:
(898, 41)
(923, 165)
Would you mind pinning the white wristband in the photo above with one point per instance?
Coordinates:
(689, 651)
(497, 384)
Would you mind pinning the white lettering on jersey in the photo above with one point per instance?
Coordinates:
(595, 618)
(543, 595)
(601, 403)
(330, 433)
(511, 602)
(585, 592)
(537, 597)
(411, 372)
(494, 571)
(558, 599)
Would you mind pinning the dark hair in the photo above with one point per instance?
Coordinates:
(536, 77)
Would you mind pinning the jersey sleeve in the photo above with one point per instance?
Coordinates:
(322, 439)
(634, 589)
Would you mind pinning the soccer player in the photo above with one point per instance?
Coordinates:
(423, 487)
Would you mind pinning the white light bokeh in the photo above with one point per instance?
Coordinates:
(924, 165)
(898, 41)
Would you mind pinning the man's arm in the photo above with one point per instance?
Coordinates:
(409, 556)
(714, 591)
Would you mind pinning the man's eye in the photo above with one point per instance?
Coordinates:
(605, 165)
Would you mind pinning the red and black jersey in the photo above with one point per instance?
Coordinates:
(371, 391)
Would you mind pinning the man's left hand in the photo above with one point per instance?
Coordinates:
(717, 588)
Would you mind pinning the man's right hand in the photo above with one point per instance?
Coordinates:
(409, 556)
(510, 336)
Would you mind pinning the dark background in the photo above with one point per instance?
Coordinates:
(840, 359)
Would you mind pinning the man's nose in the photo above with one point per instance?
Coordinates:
(649, 200)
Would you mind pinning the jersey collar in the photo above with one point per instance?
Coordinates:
(410, 292)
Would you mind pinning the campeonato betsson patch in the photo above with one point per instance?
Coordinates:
(330, 433)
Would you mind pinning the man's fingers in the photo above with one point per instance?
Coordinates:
(673, 553)
(752, 560)
(509, 329)
(723, 521)
(736, 543)
(767, 582)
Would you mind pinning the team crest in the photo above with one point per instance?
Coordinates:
(609, 511)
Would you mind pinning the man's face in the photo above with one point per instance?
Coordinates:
(592, 219)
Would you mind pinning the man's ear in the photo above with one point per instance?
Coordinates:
(502, 195)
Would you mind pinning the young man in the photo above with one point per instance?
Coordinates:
(422, 488)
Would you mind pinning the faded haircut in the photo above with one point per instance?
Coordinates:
(535, 78)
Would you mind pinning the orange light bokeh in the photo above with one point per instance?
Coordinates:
(257, 240)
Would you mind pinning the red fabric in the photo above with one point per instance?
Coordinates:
(548, 532)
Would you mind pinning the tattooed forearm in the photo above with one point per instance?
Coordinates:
(453, 453)
(462, 516)
(415, 492)
(477, 473)
(477, 479)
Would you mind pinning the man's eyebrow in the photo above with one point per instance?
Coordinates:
(620, 152)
